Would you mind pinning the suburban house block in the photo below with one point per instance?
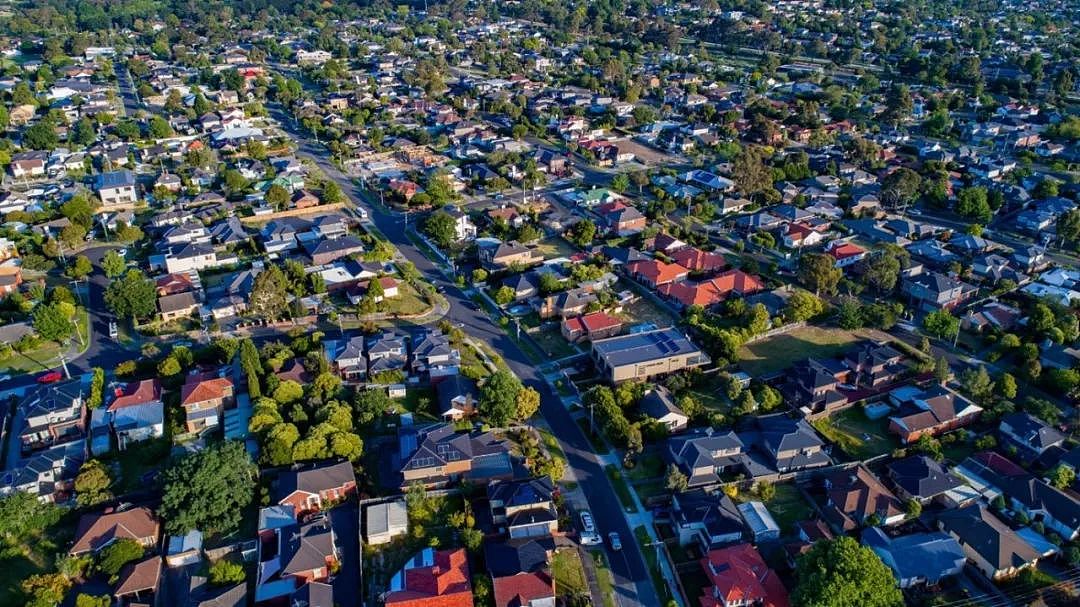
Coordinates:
(920, 478)
(502, 255)
(49, 475)
(432, 579)
(856, 496)
(295, 558)
(710, 519)
(525, 508)
(139, 582)
(655, 273)
(55, 414)
(117, 188)
(995, 549)
(312, 487)
(137, 412)
(594, 325)
(457, 397)
(934, 291)
(437, 454)
(525, 589)
(919, 558)
(739, 576)
(1029, 434)
(659, 405)
(204, 399)
(96, 531)
(643, 355)
(932, 411)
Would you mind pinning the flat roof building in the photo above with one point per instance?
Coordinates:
(643, 355)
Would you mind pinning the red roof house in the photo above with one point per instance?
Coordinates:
(846, 253)
(432, 579)
(595, 325)
(697, 260)
(136, 393)
(204, 399)
(522, 589)
(711, 292)
(654, 272)
(739, 576)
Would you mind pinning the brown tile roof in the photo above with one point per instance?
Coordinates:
(143, 576)
(198, 390)
(95, 531)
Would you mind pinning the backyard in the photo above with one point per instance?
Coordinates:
(787, 506)
(857, 435)
(772, 354)
(554, 247)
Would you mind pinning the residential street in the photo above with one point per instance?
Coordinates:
(631, 577)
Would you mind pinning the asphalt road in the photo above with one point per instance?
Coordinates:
(632, 581)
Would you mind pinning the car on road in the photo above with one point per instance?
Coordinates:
(613, 539)
(50, 377)
(588, 535)
(123, 252)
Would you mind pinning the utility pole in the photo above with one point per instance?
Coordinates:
(63, 363)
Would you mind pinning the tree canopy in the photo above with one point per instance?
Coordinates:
(841, 573)
(208, 490)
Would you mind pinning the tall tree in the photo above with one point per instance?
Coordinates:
(52, 321)
(440, 227)
(819, 273)
(498, 398)
(751, 173)
(841, 573)
(113, 264)
(269, 293)
(132, 296)
(208, 490)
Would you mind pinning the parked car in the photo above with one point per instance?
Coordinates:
(50, 377)
(613, 539)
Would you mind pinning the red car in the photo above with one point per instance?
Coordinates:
(50, 378)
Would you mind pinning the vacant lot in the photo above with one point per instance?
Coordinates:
(773, 354)
(857, 435)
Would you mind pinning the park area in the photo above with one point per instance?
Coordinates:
(857, 435)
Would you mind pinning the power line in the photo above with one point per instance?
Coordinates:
(1024, 592)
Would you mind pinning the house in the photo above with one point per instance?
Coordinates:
(989, 544)
(513, 556)
(786, 444)
(464, 228)
(294, 557)
(139, 582)
(204, 399)
(98, 530)
(203, 594)
(571, 302)
(655, 273)
(534, 589)
(659, 405)
(856, 497)
(386, 352)
(179, 305)
(313, 487)
(712, 291)
(326, 250)
(137, 412)
(54, 414)
(117, 188)
(503, 255)
(304, 199)
(643, 355)
(738, 576)
(920, 478)
(813, 384)
(431, 579)
(620, 219)
(349, 359)
(846, 253)
(594, 325)
(385, 521)
(759, 521)
(457, 397)
(524, 508)
(931, 411)
(874, 364)
(704, 456)
(934, 291)
(437, 454)
(48, 475)
(1029, 434)
(28, 164)
(389, 287)
(433, 354)
(696, 260)
(809, 532)
(993, 475)
(918, 558)
(710, 519)
(192, 258)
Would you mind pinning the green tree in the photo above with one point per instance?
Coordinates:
(941, 324)
(841, 573)
(45, 590)
(1062, 476)
(675, 481)
(83, 132)
(331, 193)
(900, 187)
(159, 128)
(498, 398)
(751, 173)
(41, 135)
(132, 296)
(881, 271)
(1068, 226)
(93, 600)
(504, 295)
(52, 323)
(1006, 386)
(819, 273)
(208, 490)
(279, 444)
(583, 232)
(113, 264)
(80, 268)
(269, 294)
(92, 484)
(942, 370)
(803, 305)
(117, 554)
(978, 384)
(370, 404)
(226, 573)
(972, 203)
(440, 227)
(528, 403)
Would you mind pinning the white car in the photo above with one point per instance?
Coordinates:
(589, 536)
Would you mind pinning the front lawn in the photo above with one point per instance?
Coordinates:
(857, 435)
(604, 578)
(621, 488)
(772, 354)
(408, 302)
(568, 573)
(641, 534)
(47, 355)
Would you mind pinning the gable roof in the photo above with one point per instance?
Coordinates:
(517, 555)
(521, 589)
(919, 556)
(921, 476)
(977, 528)
(136, 393)
(314, 478)
(444, 573)
(739, 574)
(95, 531)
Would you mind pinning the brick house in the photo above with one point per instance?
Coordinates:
(432, 579)
(655, 273)
(204, 399)
(595, 325)
(309, 488)
(932, 411)
(96, 531)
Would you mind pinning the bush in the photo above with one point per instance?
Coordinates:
(224, 573)
(113, 558)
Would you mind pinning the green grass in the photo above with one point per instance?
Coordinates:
(621, 488)
(604, 578)
(857, 435)
(556, 246)
(553, 343)
(643, 310)
(597, 442)
(568, 573)
(648, 466)
(787, 506)
(781, 351)
(711, 393)
(641, 534)
(134, 463)
(552, 445)
(408, 302)
(47, 355)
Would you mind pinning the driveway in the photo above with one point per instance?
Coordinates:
(346, 522)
